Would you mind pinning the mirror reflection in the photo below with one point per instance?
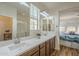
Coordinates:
(48, 24)
(5, 28)
(24, 22)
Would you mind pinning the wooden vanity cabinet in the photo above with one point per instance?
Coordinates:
(51, 45)
(32, 52)
(47, 48)
(53, 42)
(42, 49)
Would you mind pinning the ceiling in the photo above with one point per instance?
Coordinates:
(67, 9)
(51, 7)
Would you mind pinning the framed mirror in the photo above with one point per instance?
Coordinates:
(23, 23)
(51, 24)
(48, 24)
(44, 25)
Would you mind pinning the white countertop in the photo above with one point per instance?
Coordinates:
(27, 45)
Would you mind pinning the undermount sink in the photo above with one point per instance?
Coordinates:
(16, 46)
(21, 45)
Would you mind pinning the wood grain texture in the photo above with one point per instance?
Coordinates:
(65, 51)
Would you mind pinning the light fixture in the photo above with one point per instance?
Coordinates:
(45, 13)
(25, 4)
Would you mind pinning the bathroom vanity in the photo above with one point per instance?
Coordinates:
(44, 49)
(30, 47)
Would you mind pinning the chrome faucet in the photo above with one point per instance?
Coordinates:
(16, 41)
(38, 35)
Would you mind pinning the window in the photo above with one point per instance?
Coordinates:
(62, 29)
(33, 24)
(71, 28)
(34, 17)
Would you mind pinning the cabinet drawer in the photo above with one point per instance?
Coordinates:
(42, 45)
(31, 52)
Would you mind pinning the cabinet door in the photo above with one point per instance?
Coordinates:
(31, 52)
(47, 48)
(42, 51)
(51, 46)
(53, 42)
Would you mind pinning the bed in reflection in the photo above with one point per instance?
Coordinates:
(70, 39)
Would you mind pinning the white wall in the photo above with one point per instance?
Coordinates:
(12, 12)
(70, 22)
(57, 19)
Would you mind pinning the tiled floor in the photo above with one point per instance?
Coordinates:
(66, 51)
